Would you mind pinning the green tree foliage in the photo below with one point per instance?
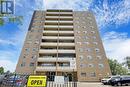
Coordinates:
(117, 68)
(1, 70)
(127, 62)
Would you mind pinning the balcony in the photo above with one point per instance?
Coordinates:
(65, 68)
(58, 17)
(56, 37)
(60, 13)
(48, 44)
(53, 21)
(56, 26)
(46, 68)
(48, 51)
(62, 32)
(54, 59)
(66, 51)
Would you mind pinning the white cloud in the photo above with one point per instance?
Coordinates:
(67, 4)
(117, 45)
(117, 13)
(8, 65)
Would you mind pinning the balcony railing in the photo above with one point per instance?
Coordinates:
(54, 59)
(46, 68)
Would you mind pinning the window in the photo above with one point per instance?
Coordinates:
(22, 64)
(94, 37)
(31, 64)
(83, 74)
(89, 57)
(34, 56)
(27, 49)
(85, 32)
(93, 74)
(91, 27)
(85, 37)
(95, 43)
(80, 49)
(35, 49)
(37, 42)
(82, 65)
(81, 57)
(88, 49)
(93, 32)
(86, 43)
(78, 31)
(97, 50)
(99, 57)
(90, 65)
(100, 65)
(84, 27)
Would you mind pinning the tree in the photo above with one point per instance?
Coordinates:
(1, 70)
(127, 62)
(117, 68)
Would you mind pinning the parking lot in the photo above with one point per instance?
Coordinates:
(96, 84)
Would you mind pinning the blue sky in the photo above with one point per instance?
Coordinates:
(112, 16)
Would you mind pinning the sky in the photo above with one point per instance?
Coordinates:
(112, 17)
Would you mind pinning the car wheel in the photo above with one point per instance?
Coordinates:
(119, 84)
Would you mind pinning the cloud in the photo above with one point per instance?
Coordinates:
(116, 45)
(116, 13)
(67, 4)
(8, 65)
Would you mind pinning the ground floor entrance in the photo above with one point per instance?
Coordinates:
(68, 76)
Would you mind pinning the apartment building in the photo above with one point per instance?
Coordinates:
(64, 43)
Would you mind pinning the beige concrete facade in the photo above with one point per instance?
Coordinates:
(64, 42)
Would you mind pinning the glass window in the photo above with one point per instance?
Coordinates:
(100, 65)
(93, 74)
(89, 57)
(31, 64)
(88, 49)
(83, 74)
(81, 57)
(93, 32)
(86, 43)
(95, 43)
(27, 49)
(82, 65)
(22, 64)
(80, 49)
(97, 50)
(90, 65)
(99, 57)
(34, 56)
(94, 37)
(85, 32)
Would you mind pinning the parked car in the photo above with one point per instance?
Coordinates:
(1, 78)
(107, 81)
(14, 80)
(123, 80)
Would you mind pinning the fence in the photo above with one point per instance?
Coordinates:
(18, 80)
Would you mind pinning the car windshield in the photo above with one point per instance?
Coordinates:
(115, 77)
